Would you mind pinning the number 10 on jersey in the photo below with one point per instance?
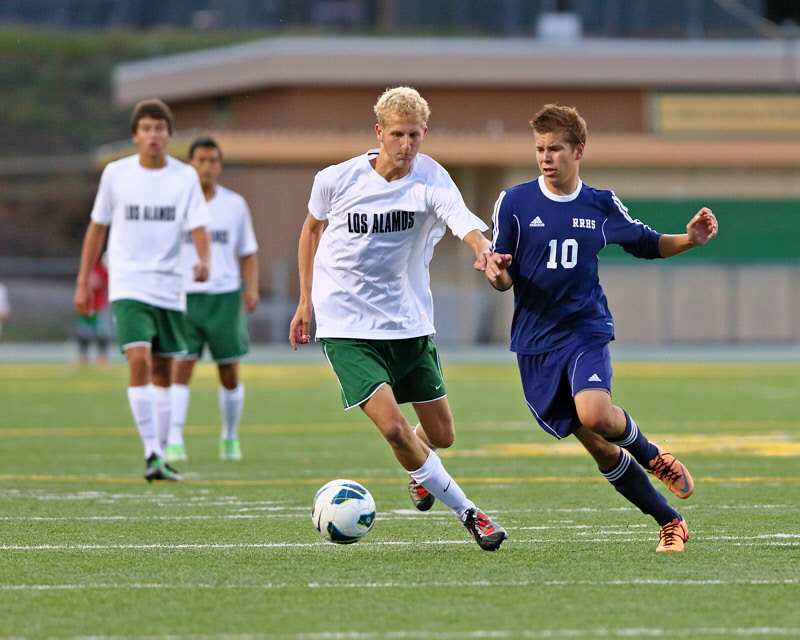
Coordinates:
(569, 253)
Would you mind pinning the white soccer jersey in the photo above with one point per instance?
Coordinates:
(232, 237)
(371, 275)
(147, 210)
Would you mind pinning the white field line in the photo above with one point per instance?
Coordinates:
(391, 515)
(402, 585)
(764, 540)
(601, 632)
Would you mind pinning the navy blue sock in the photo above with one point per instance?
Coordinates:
(633, 483)
(634, 441)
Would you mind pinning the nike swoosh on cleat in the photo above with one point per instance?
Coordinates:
(685, 487)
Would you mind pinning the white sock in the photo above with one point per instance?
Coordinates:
(434, 477)
(179, 399)
(231, 403)
(417, 431)
(163, 410)
(143, 407)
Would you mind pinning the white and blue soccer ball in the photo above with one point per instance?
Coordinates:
(343, 511)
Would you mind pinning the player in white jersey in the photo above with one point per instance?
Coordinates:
(366, 277)
(147, 200)
(214, 307)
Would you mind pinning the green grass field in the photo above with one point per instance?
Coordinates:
(90, 550)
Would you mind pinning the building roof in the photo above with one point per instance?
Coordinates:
(464, 62)
(630, 150)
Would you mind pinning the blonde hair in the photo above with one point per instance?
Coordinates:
(402, 101)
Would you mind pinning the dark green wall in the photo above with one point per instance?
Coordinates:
(749, 230)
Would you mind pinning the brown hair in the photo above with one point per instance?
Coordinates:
(152, 108)
(556, 118)
(204, 143)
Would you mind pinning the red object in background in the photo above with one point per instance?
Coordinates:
(98, 283)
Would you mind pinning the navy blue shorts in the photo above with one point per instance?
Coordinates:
(551, 380)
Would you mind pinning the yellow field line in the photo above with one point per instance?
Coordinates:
(320, 481)
(283, 372)
(759, 429)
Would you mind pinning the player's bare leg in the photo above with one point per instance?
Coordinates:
(425, 467)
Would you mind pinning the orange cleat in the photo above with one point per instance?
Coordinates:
(673, 535)
(672, 473)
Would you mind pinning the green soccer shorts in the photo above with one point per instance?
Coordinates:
(409, 366)
(139, 323)
(216, 320)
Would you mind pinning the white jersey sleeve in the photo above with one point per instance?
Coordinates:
(448, 204)
(247, 235)
(322, 193)
(103, 209)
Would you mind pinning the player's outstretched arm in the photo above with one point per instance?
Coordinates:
(700, 230)
(310, 236)
(90, 254)
(496, 270)
(476, 241)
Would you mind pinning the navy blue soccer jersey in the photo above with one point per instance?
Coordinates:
(554, 241)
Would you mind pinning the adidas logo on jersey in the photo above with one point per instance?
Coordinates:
(537, 222)
(595, 378)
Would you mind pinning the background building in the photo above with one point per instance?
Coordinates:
(673, 125)
(689, 103)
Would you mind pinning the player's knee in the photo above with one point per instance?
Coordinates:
(396, 432)
(604, 453)
(444, 439)
(601, 422)
(140, 364)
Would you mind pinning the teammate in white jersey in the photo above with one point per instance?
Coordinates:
(366, 276)
(214, 307)
(147, 200)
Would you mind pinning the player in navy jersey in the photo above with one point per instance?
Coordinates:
(545, 239)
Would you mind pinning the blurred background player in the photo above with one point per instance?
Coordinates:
(97, 327)
(214, 307)
(5, 307)
(147, 200)
(366, 275)
(546, 236)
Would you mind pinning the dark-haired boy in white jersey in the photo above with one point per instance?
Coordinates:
(366, 277)
(214, 308)
(147, 200)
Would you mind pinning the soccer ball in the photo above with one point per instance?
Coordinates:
(343, 511)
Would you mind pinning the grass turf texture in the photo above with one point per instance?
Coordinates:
(88, 548)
